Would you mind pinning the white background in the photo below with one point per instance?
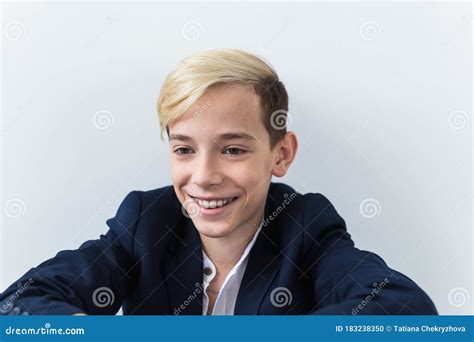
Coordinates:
(380, 98)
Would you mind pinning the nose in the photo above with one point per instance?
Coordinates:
(206, 171)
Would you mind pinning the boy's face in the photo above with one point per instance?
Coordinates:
(221, 161)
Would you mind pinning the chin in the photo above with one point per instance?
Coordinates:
(213, 229)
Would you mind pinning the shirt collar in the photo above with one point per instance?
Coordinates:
(210, 264)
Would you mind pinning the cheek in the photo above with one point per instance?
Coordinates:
(179, 179)
(253, 178)
(245, 174)
(254, 171)
(178, 172)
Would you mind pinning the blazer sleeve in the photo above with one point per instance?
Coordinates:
(349, 281)
(93, 279)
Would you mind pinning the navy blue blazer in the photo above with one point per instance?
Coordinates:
(150, 263)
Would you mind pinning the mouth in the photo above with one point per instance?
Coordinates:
(213, 203)
(210, 206)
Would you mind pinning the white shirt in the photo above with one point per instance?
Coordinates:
(225, 302)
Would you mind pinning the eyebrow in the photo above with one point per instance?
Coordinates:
(224, 136)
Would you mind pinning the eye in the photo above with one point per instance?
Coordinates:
(234, 151)
(182, 151)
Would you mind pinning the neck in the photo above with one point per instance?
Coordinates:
(226, 251)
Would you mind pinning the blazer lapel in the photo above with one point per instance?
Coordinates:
(184, 275)
(262, 266)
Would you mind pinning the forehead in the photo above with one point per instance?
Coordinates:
(223, 108)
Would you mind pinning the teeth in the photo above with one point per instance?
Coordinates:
(214, 203)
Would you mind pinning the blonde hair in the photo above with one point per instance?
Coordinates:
(198, 72)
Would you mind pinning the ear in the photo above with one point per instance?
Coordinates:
(284, 153)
